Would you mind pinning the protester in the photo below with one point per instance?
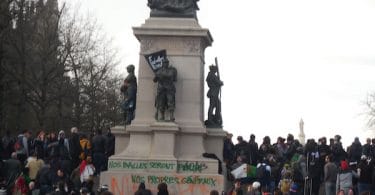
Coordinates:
(142, 190)
(75, 147)
(163, 189)
(86, 169)
(66, 169)
(98, 151)
(34, 164)
(330, 175)
(365, 172)
(344, 181)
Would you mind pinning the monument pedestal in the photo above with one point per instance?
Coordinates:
(169, 152)
(154, 160)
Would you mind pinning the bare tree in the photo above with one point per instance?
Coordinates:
(5, 21)
(91, 62)
(370, 111)
(60, 69)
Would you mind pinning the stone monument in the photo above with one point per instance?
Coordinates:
(155, 151)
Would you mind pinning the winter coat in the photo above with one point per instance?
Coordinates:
(344, 180)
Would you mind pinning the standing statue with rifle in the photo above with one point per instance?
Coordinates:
(214, 93)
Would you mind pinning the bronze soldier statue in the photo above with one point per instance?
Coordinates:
(214, 110)
(165, 98)
(129, 90)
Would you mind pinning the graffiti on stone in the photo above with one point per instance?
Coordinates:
(191, 167)
(184, 166)
(184, 184)
(134, 165)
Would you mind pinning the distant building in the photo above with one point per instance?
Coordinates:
(301, 134)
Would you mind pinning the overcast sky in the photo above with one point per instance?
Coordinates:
(280, 60)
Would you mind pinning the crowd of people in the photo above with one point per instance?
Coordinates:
(54, 163)
(288, 167)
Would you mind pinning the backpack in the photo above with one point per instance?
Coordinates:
(313, 158)
(262, 172)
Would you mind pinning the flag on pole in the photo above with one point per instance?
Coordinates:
(240, 172)
(155, 59)
(243, 171)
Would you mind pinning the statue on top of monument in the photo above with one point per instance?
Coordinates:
(214, 110)
(129, 91)
(165, 97)
(173, 8)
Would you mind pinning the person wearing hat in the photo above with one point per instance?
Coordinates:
(63, 140)
(214, 84)
(344, 181)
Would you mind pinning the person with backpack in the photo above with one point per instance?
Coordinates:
(263, 174)
(344, 181)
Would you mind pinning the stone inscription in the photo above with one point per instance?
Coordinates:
(187, 166)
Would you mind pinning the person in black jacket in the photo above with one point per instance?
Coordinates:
(163, 189)
(253, 150)
(142, 190)
(228, 149)
(44, 179)
(355, 151)
(241, 149)
(338, 151)
(98, 151)
(314, 167)
(365, 171)
(75, 147)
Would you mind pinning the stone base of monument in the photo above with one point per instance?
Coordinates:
(184, 175)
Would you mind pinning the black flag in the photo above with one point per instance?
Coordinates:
(155, 59)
